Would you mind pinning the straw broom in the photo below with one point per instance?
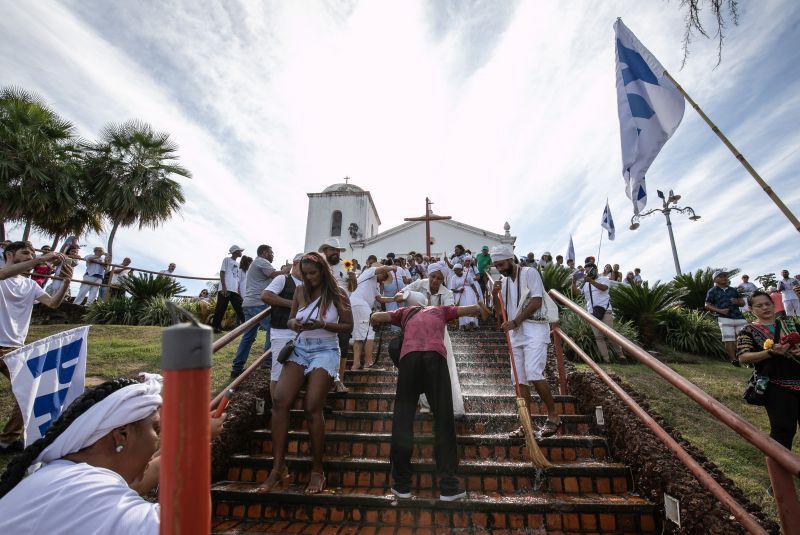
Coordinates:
(537, 458)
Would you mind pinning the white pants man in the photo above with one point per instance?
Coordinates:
(89, 289)
(792, 307)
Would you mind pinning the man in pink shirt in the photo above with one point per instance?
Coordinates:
(423, 370)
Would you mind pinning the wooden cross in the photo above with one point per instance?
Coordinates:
(428, 217)
(346, 179)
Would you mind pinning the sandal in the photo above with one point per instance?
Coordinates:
(356, 369)
(517, 433)
(278, 479)
(550, 428)
(339, 387)
(316, 483)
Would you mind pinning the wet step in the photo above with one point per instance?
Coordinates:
(496, 447)
(384, 401)
(576, 477)
(491, 377)
(469, 424)
(466, 388)
(239, 509)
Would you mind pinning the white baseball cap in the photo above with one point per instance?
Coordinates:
(331, 242)
(235, 248)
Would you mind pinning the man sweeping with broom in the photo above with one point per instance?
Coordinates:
(520, 290)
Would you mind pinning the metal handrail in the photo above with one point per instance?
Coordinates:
(241, 329)
(241, 377)
(737, 510)
(782, 464)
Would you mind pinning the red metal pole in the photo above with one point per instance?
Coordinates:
(559, 350)
(745, 519)
(185, 479)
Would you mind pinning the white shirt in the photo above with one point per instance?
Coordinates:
(92, 269)
(166, 273)
(276, 286)
(116, 276)
(340, 274)
(528, 332)
(2, 257)
(66, 497)
(598, 297)
(785, 287)
(367, 289)
(17, 296)
(443, 297)
(231, 269)
(312, 312)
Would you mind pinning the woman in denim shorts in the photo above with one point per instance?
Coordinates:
(320, 311)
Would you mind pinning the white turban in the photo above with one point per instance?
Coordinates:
(458, 266)
(502, 252)
(126, 405)
(438, 266)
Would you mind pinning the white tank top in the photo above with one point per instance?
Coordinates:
(312, 312)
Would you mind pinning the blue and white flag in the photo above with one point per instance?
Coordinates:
(650, 109)
(608, 222)
(47, 376)
(570, 249)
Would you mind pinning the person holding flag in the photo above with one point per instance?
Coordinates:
(17, 296)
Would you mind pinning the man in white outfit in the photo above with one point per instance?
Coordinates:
(95, 270)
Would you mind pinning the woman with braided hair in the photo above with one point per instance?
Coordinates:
(91, 458)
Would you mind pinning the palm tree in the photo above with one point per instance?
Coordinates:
(557, 278)
(35, 143)
(697, 285)
(130, 169)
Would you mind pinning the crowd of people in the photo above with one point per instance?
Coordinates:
(319, 303)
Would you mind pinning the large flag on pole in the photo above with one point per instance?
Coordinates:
(650, 109)
(46, 376)
(608, 222)
(570, 249)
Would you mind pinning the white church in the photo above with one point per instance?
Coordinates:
(347, 212)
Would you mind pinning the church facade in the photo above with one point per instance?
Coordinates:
(347, 212)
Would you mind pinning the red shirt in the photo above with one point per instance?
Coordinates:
(777, 300)
(424, 331)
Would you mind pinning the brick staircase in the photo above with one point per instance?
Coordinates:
(584, 492)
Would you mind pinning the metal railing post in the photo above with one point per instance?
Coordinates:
(785, 497)
(559, 351)
(185, 478)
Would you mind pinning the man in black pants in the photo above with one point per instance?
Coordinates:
(229, 289)
(423, 369)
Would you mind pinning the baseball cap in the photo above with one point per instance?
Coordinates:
(719, 272)
(485, 248)
(235, 248)
(297, 257)
(331, 242)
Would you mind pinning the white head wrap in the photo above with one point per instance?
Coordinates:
(416, 299)
(501, 252)
(458, 266)
(126, 405)
(438, 266)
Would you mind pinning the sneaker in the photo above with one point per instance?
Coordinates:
(401, 494)
(235, 374)
(459, 495)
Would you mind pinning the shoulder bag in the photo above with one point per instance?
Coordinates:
(288, 349)
(396, 344)
(547, 313)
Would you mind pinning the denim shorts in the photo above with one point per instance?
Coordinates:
(313, 353)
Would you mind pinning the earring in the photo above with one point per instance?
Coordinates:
(119, 448)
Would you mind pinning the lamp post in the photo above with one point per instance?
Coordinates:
(669, 204)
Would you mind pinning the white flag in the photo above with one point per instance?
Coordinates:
(650, 109)
(570, 249)
(608, 222)
(46, 376)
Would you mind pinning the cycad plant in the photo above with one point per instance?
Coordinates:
(644, 305)
(692, 331)
(696, 285)
(145, 287)
(557, 278)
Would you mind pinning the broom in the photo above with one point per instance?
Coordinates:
(537, 458)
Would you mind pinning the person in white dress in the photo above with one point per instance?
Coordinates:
(466, 293)
(433, 292)
(362, 300)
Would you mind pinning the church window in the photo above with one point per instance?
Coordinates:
(336, 223)
(371, 230)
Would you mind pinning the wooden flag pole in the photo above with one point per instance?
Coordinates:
(767, 189)
(599, 247)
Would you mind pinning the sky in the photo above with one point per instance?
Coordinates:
(497, 111)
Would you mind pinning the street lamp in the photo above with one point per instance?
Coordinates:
(669, 203)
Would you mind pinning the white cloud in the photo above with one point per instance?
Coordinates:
(497, 111)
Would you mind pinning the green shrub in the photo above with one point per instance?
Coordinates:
(580, 331)
(644, 306)
(155, 312)
(146, 286)
(697, 285)
(114, 311)
(692, 331)
(557, 278)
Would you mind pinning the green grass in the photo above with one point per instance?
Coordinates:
(120, 351)
(740, 461)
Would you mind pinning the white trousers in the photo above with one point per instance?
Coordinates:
(88, 289)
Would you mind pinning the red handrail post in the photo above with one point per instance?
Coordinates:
(559, 350)
(785, 497)
(185, 479)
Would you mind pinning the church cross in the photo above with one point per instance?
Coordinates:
(428, 217)
(347, 179)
